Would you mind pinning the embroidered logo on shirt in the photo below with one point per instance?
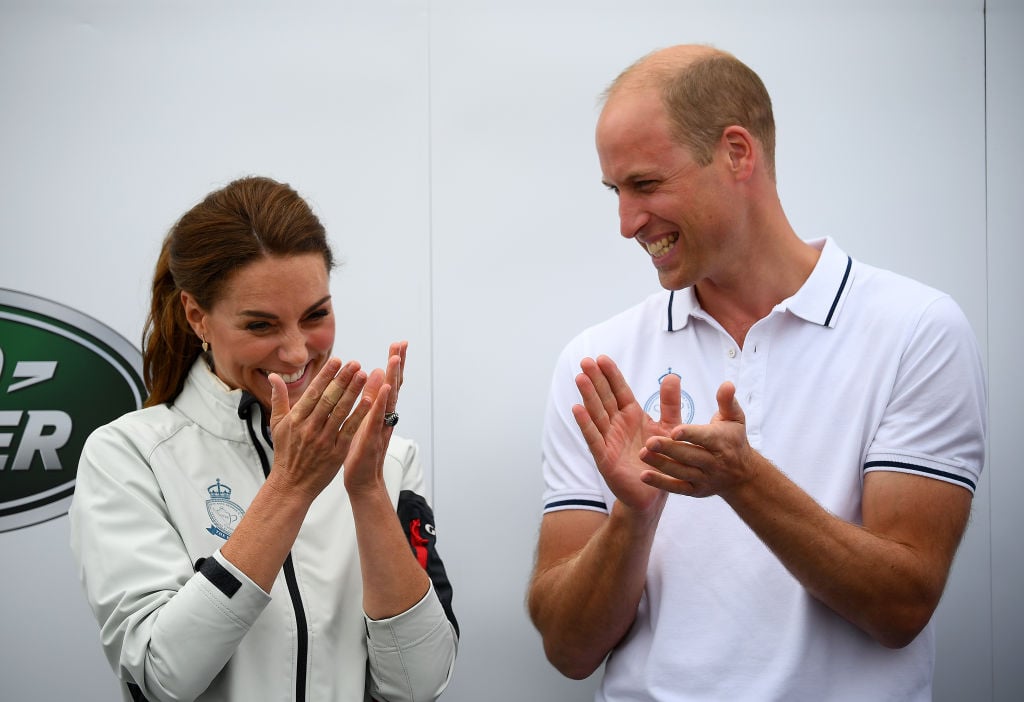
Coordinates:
(224, 513)
(653, 405)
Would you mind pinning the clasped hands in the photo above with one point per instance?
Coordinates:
(642, 459)
(339, 420)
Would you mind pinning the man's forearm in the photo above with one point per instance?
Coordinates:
(585, 603)
(886, 577)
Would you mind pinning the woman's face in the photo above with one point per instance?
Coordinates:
(274, 316)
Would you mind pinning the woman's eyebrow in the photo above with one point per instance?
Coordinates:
(268, 315)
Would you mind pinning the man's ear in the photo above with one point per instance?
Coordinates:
(740, 150)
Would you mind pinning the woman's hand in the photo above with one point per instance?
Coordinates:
(364, 467)
(393, 580)
(313, 438)
(311, 441)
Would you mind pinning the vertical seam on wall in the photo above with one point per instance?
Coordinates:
(988, 340)
(430, 259)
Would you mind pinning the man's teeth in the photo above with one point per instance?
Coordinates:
(661, 246)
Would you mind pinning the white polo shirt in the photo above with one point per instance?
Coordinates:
(860, 370)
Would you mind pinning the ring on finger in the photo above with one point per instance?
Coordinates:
(391, 419)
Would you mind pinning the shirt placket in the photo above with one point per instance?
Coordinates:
(750, 388)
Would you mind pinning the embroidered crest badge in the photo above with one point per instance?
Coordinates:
(224, 513)
(653, 405)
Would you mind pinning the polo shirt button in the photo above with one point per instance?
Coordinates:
(732, 353)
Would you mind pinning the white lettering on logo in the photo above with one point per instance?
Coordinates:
(46, 432)
(7, 419)
(34, 372)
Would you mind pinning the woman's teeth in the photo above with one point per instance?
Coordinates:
(290, 377)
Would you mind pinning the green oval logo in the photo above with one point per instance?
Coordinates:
(62, 375)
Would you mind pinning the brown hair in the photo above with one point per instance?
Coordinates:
(704, 91)
(242, 222)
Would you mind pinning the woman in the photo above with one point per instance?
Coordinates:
(222, 554)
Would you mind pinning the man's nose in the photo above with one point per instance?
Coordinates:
(632, 217)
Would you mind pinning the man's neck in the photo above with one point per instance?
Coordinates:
(763, 280)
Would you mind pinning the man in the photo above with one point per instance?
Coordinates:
(845, 431)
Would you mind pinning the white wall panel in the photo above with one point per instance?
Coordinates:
(448, 146)
(119, 116)
(880, 113)
(1005, 142)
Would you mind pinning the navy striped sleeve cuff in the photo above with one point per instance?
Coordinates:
(928, 472)
(575, 503)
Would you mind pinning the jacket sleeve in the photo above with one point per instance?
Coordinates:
(168, 625)
(412, 655)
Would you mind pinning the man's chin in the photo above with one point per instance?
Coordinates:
(672, 282)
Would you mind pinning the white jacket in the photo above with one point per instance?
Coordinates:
(159, 491)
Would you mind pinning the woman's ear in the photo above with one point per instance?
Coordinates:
(195, 314)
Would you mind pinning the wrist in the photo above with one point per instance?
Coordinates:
(641, 522)
(373, 494)
(757, 482)
(285, 495)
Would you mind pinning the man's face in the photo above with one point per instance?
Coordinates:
(670, 204)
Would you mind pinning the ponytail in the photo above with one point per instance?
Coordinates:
(169, 346)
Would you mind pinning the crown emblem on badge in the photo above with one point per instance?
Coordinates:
(686, 407)
(224, 514)
(218, 491)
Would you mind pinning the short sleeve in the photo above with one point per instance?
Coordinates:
(571, 478)
(936, 421)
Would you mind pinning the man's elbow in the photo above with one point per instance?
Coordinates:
(573, 653)
(575, 667)
(566, 658)
(898, 629)
(896, 637)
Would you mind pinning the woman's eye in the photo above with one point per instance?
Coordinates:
(257, 326)
(318, 314)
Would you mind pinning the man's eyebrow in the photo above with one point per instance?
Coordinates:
(631, 179)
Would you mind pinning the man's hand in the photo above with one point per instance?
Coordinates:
(700, 460)
(616, 428)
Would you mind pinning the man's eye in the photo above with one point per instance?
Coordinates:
(645, 185)
(613, 189)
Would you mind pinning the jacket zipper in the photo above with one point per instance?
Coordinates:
(301, 627)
